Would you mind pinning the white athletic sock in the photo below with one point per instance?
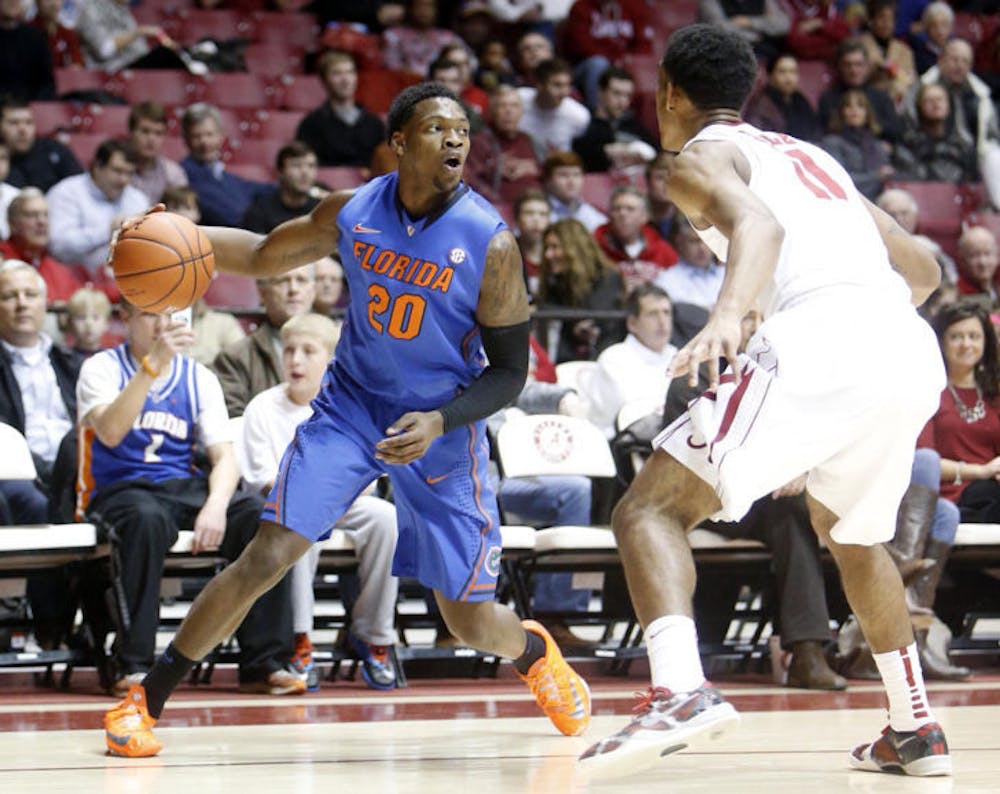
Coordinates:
(904, 684)
(672, 647)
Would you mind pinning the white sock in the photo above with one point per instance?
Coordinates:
(672, 647)
(904, 684)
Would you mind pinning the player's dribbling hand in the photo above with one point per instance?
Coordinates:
(126, 222)
(720, 338)
(408, 438)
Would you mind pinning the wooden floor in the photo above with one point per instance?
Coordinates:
(463, 735)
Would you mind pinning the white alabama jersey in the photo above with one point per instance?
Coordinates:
(830, 237)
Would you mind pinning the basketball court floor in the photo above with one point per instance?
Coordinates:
(467, 735)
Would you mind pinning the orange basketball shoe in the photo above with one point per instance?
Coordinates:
(128, 727)
(563, 695)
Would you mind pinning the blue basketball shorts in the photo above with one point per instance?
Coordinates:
(449, 528)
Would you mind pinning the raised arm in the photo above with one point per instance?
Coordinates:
(708, 183)
(913, 261)
(292, 244)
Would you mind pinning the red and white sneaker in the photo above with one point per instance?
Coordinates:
(664, 723)
(922, 753)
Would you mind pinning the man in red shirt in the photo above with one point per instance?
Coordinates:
(28, 215)
(502, 160)
(977, 262)
(629, 240)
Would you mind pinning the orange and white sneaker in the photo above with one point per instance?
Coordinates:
(128, 727)
(563, 695)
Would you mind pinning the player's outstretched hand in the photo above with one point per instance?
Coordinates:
(409, 437)
(131, 220)
(720, 338)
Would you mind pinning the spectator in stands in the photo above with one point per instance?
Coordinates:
(816, 30)
(974, 111)
(294, 195)
(154, 173)
(222, 197)
(853, 71)
(37, 398)
(987, 64)
(86, 209)
(251, 365)
(542, 18)
(562, 175)
(697, 276)
(551, 116)
(576, 274)
(25, 63)
(373, 15)
(628, 240)
(38, 162)
(931, 147)
(113, 40)
(145, 397)
(28, 218)
(412, 46)
(472, 95)
(763, 23)
(532, 48)
(781, 522)
(502, 161)
(635, 370)
(977, 262)
(532, 215)
(854, 141)
(893, 69)
(88, 318)
(340, 131)
(600, 33)
(449, 74)
(330, 286)
(937, 25)
(64, 42)
(213, 330)
(494, 68)
(269, 424)
(780, 106)
(903, 207)
(662, 212)
(615, 138)
(7, 191)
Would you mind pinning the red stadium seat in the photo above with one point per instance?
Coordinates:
(51, 117)
(342, 177)
(290, 29)
(232, 292)
(378, 87)
(222, 24)
(940, 206)
(974, 28)
(80, 80)
(814, 79)
(109, 120)
(645, 70)
(84, 144)
(277, 124)
(254, 151)
(597, 189)
(301, 93)
(174, 148)
(237, 90)
(989, 219)
(252, 171)
(273, 59)
(166, 86)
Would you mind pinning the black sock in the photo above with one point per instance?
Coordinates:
(166, 674)
(534, 649)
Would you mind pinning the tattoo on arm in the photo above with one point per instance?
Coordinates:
(503, 298)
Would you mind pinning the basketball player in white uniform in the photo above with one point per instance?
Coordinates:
(837, 383)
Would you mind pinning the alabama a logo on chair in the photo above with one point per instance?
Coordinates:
(553, 440)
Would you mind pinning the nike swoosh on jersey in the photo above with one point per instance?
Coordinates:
(433, 480)
(361, 229)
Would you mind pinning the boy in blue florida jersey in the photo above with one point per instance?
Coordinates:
(437, 290)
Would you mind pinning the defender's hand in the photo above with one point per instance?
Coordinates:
(131, 220)
(720, 338)
(408, 438)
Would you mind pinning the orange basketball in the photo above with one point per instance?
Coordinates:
(163, 263)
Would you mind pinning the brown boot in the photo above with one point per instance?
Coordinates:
(809, 669)
(913, 523)
(936, 665)
(922, 590)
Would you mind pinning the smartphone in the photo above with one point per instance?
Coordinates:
(183, 316)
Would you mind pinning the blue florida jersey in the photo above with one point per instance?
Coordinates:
(411, 336)
(160, 445)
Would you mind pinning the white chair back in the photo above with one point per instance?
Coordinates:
(529, 446)
(635, 410)
(15, 461)
(576, 375)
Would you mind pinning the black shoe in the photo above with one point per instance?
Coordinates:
(923, 752)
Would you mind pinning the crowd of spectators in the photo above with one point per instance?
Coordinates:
(564, 144)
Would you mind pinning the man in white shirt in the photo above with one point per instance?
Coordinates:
(84, 210)
(551, 116)
(269, 425)
(697, 276)
(636, 369)
(562, 173)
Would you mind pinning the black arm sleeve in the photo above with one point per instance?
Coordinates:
(500, 383)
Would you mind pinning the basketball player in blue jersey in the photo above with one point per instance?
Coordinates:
(436, 340)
